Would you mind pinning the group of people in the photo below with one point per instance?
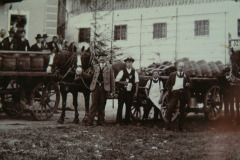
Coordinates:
(17, 41)
(127, 80)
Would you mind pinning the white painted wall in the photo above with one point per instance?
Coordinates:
(222, 18)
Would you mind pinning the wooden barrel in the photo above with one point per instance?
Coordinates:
(205, 68)
(197, 69)
(36, 63)
(220, 65)
(188, 68)
(23, 63)
(9, 63)
(214, 68)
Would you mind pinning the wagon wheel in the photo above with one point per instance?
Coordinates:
(213, 103)
(11, 100)
(164, 107)
(136, 111)
(44, 100)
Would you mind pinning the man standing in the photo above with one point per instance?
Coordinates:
(154, 92)
(178, 85)
(103, 82)
(127, 80)
(53, 44)
(44, 42)
(22, 43)
(37, 46)
(8, 42)
(2, 36)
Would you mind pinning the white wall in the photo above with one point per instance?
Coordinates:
(222, 18)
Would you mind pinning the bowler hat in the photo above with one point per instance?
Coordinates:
(38, 36)
(44, 36)
(129, 59)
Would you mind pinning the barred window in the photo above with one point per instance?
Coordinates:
(159, 30)
(84, 35)
(238, 27)
(202, 28)
(120, 32)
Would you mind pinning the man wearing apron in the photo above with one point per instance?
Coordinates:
(127, 80)
(154, 91)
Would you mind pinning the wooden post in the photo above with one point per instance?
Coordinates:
(140, 62)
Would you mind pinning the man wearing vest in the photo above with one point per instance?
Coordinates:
(178, 85)
(127, 80)
(154, 91)
(103, 82)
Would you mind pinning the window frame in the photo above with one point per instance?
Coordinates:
(85, 38)
(121, 35)
(201, 28)
(159, 31)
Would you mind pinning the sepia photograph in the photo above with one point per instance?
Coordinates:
(119, 79)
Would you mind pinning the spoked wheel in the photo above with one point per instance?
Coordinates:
(136, 111)
(164, 107)
(213, 103)
(11, 99)
(44, 100)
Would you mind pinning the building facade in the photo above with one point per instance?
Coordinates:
(160, 30)
(38, 16)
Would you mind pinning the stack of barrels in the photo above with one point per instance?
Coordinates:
(199, 68)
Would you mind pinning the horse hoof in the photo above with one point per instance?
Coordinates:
(60, 121)
(76, 121)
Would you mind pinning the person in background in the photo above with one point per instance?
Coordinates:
(103, 82)
(22, 43)
(178, 86)
(154, 92)
(44, 42)
(128, 80)
(2, 36)
(38, 45)
(53, 44)
(65, 45)
(8, 42)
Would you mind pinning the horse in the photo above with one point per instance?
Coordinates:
(64, 64)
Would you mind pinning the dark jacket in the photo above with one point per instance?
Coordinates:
(186, 91)
(7, 45)
(22, 45)
(45, 46)
(52, 45)
(36, 48)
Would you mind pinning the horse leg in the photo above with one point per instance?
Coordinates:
(86, 99)
(75, 104)
(64, 100)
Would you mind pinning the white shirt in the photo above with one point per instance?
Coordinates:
(102, 65)
(160, 87)
(39, 45)
(178, 83)
(10, 39)
(120, 75)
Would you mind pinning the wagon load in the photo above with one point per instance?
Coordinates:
(206, 70)
(214, 68)
(197, 69)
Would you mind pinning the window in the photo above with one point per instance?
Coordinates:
(238, 27)
(202, 28)
(84, 35)
(120, 32)
(159, 30)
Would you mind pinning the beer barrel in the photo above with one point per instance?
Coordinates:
(188, 68)
(8, 63)
(220, 66)
(205, 68)
(197, 69)
(36, 63)
(214, 68)
(23, 63)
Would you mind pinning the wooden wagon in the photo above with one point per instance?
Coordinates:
(25, 86)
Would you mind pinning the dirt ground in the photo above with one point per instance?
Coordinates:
(23, 138)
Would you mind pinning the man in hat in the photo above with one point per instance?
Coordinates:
(53, 44)
(128, 80)
(22, 43)
(8, 42)
(103, 82)
(44, 42)
(37, 46)
(178, 85)
(2, 36)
